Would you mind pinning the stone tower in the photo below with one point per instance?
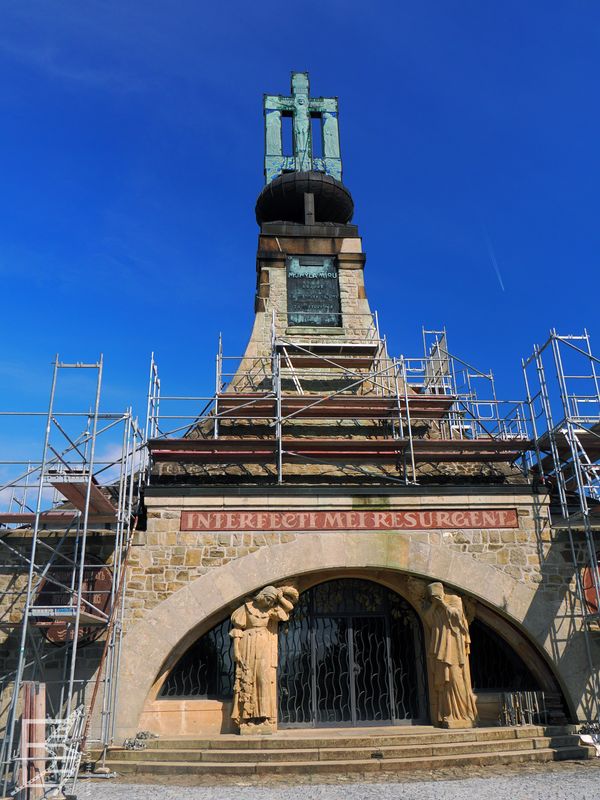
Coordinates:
(310, 261)
(324, 471)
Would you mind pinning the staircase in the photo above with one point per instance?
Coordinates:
(341, 751)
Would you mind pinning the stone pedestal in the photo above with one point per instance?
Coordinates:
(457, 723)
(258, 728)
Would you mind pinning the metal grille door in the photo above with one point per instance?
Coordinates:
(351, 655)
(370, 668)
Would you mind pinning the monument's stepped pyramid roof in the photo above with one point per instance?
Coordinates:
(350, 428)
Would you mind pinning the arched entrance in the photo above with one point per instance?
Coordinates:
(157, 648)
(351, 654)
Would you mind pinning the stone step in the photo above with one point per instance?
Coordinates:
(245, 768)
(404, 735)
(343, 753)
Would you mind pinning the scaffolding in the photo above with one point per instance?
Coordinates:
(66, 524)
(389, 415)
(562, 379)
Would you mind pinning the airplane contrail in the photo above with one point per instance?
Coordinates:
(493, 259)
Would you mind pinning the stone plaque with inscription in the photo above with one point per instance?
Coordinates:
(313, 291)
(307, 520)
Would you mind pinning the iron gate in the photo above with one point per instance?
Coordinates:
(351, 654)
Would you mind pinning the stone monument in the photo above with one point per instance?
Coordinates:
(324, 460)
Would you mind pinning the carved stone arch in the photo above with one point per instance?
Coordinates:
(173, 624)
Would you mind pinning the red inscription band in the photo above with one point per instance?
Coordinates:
(346, 520)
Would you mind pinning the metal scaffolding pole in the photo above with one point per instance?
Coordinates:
(86, 514)
(7, 747)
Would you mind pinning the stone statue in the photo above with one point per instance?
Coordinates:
(254, 634)
(452, 700)
(449, 647)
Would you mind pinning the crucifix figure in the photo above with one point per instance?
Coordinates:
(302, 109)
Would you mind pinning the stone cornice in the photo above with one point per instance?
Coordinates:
(347, 491)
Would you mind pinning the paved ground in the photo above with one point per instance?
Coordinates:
(567, 781)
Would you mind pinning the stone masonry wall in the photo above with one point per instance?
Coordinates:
(167, 559)
(532, 554)
(272, 286)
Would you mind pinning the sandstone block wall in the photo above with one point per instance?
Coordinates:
(271, 292)
(167, 559)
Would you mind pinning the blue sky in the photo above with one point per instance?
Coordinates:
(131, 150)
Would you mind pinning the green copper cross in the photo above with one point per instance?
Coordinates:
(301, 108)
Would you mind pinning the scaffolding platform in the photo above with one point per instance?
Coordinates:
(312, 355)
(52, 518)
(355, 450)
(587, 438)
(214, 451)
(337, 406)
(51, 614)
(385, 411)
(76, 488)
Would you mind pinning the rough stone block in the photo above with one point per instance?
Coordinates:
(193, 558)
